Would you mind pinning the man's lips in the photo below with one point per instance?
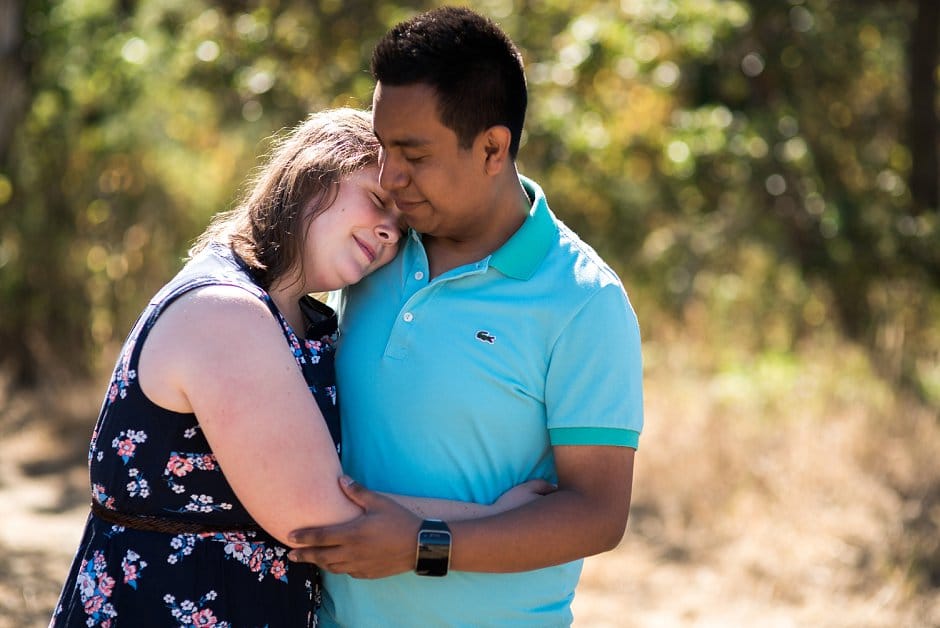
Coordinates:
(370, 253)
(406, 206)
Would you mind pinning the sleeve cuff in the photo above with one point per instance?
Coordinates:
(594, 436)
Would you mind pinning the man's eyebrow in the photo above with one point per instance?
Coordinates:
(405, 142)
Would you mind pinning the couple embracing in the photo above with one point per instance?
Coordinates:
(486, 362)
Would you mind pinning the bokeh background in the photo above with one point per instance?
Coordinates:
(763, 174)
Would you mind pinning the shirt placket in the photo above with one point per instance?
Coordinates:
(421, 291)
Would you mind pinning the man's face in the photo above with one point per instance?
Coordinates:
(439, 187)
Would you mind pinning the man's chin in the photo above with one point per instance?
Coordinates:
(421, 226)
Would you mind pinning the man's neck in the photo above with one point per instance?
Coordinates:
(447, 253)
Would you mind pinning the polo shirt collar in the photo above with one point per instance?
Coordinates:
(522, 254)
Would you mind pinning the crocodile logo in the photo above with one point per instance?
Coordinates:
(485, 336)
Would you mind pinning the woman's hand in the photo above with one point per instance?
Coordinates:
(522, 494)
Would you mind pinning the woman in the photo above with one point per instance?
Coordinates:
(217, 374)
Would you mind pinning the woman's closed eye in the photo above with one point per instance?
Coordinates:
(386, 204)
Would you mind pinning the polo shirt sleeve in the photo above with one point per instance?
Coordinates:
(594, 385)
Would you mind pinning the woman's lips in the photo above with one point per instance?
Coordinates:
(370, 254)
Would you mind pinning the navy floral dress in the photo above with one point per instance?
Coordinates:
(147, 461)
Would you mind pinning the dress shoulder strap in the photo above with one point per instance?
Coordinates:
(214, 266)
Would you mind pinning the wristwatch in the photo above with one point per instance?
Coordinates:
(433, 557)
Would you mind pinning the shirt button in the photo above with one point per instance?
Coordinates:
(408, 317)
(419, 275)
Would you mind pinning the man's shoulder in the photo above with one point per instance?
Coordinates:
(575, 262)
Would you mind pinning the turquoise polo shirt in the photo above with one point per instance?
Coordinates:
(459, 387)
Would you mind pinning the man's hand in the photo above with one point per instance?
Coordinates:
(381, 542)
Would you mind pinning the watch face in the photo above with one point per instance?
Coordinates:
(433, 552)
(434, 545)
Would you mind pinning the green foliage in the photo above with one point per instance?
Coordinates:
(747, 158)
(144, 119)
(742, 164)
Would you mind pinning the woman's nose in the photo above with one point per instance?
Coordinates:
(388, 233)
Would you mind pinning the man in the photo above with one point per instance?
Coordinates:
(496, 348)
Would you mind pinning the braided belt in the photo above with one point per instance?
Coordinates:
(155, 523)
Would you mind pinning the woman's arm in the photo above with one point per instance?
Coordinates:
(451, 510)
(219, 353)
(584, 516)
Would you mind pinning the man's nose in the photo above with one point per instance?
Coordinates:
(391, 175)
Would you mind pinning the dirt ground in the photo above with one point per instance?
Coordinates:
(757, 563)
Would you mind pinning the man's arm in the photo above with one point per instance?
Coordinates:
(585, 516)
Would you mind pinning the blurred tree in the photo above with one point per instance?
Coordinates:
(142, 118)
(14, 89)
(751, 157)
(12, 72)
(924, 131)
(767, 164)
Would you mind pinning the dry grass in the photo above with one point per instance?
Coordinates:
(786, 492)
(770, 490)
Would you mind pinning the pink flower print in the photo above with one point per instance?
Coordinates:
(240, 550)
(105, 584)
(208, 461)
(112, 393)
(99, 562)
(256, 562)
(179, 466)
(99, 494)
(125, 449)
(93, 605)
(193, 614)
(204, 618)
(126, 442)
(132, 566)
(130, 573)
(85, 583)
(95, 586)
(278, 569)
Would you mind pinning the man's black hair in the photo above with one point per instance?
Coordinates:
(473, 66)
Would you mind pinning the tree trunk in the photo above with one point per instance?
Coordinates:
(924, 127)
(12, 73)
(14, 97)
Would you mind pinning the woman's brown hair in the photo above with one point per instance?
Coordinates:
(267, 228)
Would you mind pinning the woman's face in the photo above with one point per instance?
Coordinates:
(354, 236)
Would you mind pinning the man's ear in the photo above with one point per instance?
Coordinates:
(495, 147)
